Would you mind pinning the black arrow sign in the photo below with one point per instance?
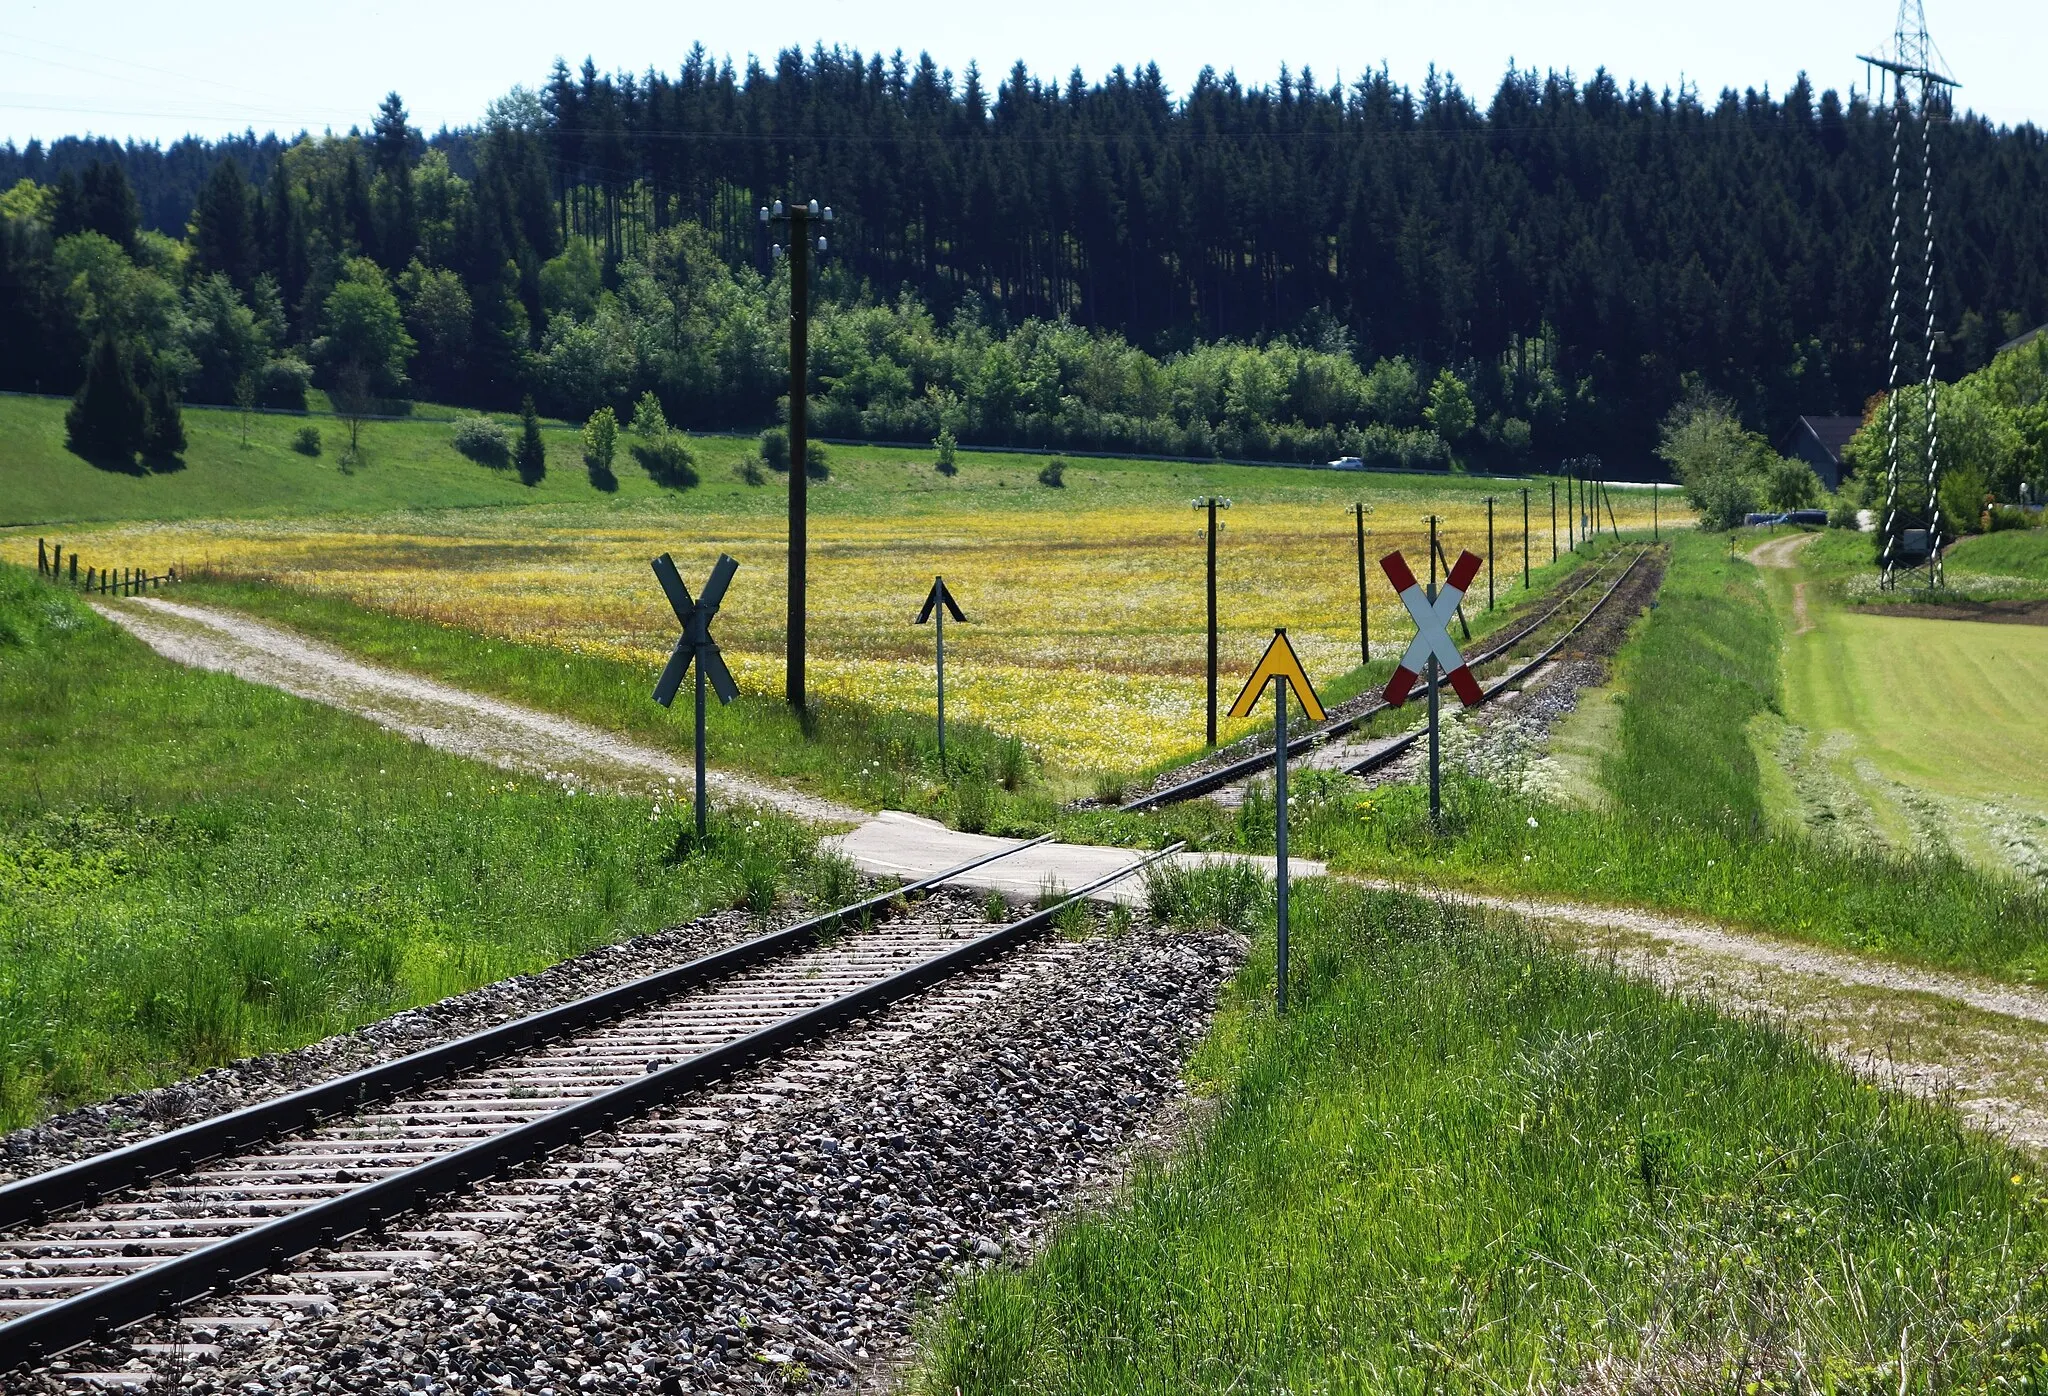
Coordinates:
(939, 596)
(939, 602)
(696, 645)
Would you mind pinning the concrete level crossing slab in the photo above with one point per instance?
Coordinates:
(896, 844)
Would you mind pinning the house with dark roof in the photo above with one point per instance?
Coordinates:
(1820, 442)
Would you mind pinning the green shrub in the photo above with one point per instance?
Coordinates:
(667, 461)
(1054, 475)
(282, 384)
(817, 461)
(775, 449)
(482, 440)
(306, 441)
(947, 447)
(749, 471)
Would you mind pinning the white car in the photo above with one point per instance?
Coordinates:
(1347, 463)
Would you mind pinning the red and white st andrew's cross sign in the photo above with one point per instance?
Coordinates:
(1432, 628)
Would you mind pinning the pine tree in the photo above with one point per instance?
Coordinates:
(223, 231)
(532, 455)
(110, 417)
(163, 432)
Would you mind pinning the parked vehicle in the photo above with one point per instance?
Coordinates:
(1347, 463)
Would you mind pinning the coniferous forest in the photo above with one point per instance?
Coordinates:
(1288, 270)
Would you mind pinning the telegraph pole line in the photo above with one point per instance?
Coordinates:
(1212, 503)
(1553, 519)
(1358, 512)
(1489, 552)
(1525, 538)
(803, 221)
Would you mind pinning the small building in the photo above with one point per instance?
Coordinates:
(1820, 442)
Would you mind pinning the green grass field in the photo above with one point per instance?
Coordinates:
(412, 465)
(1466, 1162)
(1912, 731)
(194, 869)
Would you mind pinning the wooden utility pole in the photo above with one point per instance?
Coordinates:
(1525, 538)
(1212, 503)
(804, 220)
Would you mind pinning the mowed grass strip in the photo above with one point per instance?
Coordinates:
(1686, 828)
(1468, 1163)
(194, 869)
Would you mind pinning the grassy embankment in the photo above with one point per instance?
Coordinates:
(1686, 826)
(193, 869)
(1986, 568)
(1910, 731)
(1467, 1162)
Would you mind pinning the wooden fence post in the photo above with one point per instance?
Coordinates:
(42, 559)
(74, 569)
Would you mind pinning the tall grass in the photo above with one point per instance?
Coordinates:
(1686, 827)
(193, 868)
(1467, 1163)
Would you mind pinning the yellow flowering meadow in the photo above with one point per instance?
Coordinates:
(1085, 618)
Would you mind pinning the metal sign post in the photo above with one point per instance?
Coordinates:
(1432, 611)
(696, 645)
(1358, 512)
(1280, 666)
(937, 603)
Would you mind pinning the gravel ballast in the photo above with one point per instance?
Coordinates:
(795, 1245)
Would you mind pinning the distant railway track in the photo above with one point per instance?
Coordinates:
(138, 1232)
(1497, 648)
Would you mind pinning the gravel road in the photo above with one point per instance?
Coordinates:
(436, 714)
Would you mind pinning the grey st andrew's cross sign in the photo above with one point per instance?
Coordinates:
(696, 644)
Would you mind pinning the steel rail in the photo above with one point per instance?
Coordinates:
(1400, 744)
(1252, 765)
(35, 1199)
(38, 1336)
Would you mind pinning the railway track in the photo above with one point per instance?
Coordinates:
(1501, 647)
(141, 1231)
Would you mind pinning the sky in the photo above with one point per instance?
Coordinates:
(209, 67)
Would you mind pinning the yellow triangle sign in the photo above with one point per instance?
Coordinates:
(1279, 660)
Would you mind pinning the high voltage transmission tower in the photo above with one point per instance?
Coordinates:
(1918, 93)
